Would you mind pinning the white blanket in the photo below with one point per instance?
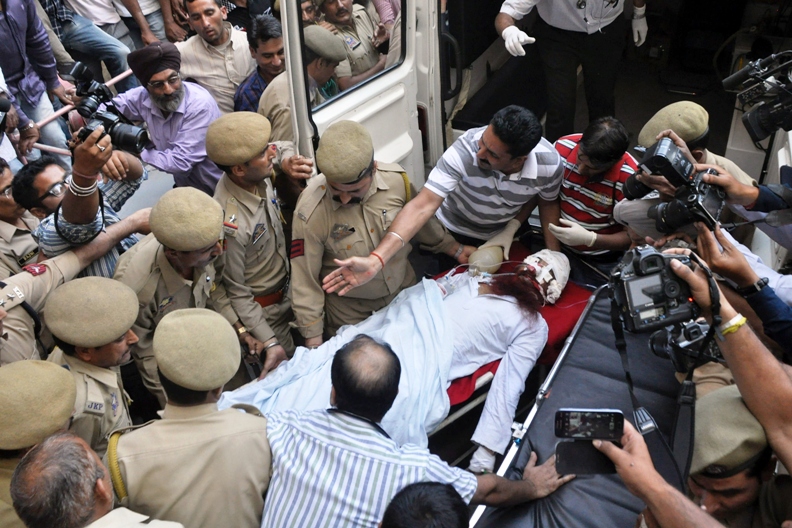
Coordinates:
(414, 324)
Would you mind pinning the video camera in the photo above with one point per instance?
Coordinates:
(123, 134)
(681, 343)
(694, 200)
(774, 108)
(648, 294)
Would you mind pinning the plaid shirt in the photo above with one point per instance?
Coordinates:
(246, 98)
(57, 13)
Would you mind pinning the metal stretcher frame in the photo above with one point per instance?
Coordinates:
(514, 448)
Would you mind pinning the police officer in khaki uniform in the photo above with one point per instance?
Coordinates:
(91, 320)
(37, 399)
(361, 34)
(323, 53)
(17, 245)
(345, 212)
(256, 273)
(197, 466)
(174, 267)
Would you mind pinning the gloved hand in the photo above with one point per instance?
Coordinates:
(573, 234)
(639, 25)
(515, 39)
(504, 238)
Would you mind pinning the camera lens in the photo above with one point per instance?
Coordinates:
(633, 189)
(658, 344)
(130, 138)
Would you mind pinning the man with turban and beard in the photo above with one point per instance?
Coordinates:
(177, 114)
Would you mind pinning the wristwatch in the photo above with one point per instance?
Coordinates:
(27, 127)
(241, 330)
(753, 288)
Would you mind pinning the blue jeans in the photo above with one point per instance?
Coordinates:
(51, 133)
(156, 25)
(84, 36)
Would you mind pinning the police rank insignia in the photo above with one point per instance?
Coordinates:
(164, 303)
(341, 231)
(114, 403)
(259, 232)
(35, 269)
(352, 42)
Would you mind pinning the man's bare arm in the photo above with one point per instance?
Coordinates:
(537, 482)
(112, 235)
(89, 157)
(549, 213)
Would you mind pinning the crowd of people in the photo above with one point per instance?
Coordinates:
(261, 255)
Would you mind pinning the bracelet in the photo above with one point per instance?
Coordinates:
(732, 325)
(397, 235)
(380, 259)
(459, 250)
(82, 192)
(94, 176)
(273, 344)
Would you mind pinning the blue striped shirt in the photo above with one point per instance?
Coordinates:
(332, 470)
(114, 194)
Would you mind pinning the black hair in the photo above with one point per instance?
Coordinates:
(181, 395)
(604, 141)
(518, 128)
(262, 29)
(22, 186)
(185, 2)
(367, 390)
(700, 142)
(310, 55)
(67, 348)
(427, 505)
(4, 165)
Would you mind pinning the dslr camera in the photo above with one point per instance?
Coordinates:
(681, 344)
(123, 134)
(694, 200)
(648, 293)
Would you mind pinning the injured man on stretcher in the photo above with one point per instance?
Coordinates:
(440, 331)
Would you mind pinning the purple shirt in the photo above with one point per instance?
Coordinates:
(179, 139)
(25, 55)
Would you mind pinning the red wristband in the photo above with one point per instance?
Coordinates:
(380, 259)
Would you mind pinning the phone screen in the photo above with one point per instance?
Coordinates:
(604, 424)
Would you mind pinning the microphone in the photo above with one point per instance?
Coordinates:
(736, 79)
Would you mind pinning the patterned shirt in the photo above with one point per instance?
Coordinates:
(591, 204)
(246, 98)
(57, 14)
(56, 240)
(331, 469)
(480, 202)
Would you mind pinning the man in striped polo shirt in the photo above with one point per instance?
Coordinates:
(338, 467)
(483, 189)
(596, 164)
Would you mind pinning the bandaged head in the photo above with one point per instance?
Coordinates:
(551, 270)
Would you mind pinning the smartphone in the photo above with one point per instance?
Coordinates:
(589, 424)
(580, 457)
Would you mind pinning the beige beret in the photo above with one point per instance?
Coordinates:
(91, 311)
(325, 44)
(186, 219)
(689, 120)
(727, 435)
(37, 399)
(237, 138)
(197, 349)
(345, 151)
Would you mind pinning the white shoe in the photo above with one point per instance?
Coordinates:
(483, 461)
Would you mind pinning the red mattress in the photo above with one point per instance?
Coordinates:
(561, 319)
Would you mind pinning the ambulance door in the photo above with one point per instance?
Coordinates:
(390, 105)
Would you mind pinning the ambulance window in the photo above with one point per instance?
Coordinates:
(372, 36)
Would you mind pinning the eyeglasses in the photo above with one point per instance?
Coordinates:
(6, 193)
(56, 190)
(173, 80)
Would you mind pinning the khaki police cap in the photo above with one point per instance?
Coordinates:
(325, 44)
(186, 219)
(91, 311)
(237, 138)
(197, 349)
(37, 399)
(689, 120)
(728, 438)
(345, 152)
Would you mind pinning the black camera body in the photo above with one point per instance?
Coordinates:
(697, 201)
(648, 293)
(123, 134)
(681, 344)
(663, 158)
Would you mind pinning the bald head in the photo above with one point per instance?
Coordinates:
(365, 375)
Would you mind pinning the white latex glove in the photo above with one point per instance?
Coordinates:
(504, 238)
(573, 234)
(515, 39)
(639, 26)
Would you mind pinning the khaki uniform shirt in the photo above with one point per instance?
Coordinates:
(17, 246)
(275, 105)
(8, 517)
(33, 285)
(160, 290)
(198, 466)
(219, 69)
(123, 518)
(101, 404)
(361, 53)
(729, 166)
(323, 230)
(255, 259)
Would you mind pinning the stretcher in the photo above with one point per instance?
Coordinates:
(588, 373)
